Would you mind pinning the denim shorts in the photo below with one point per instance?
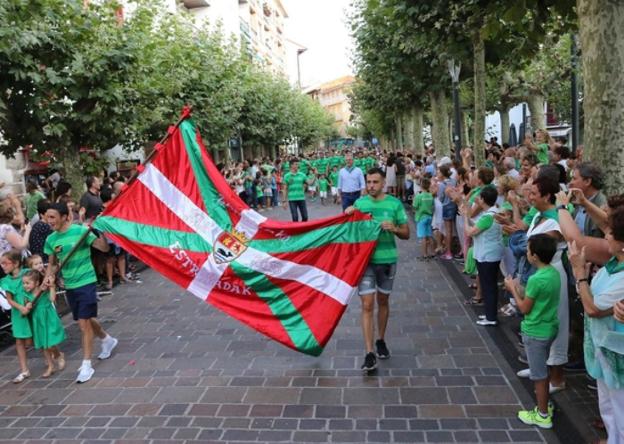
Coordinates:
(423, 227)
(449, 211)
(83, 301)
(377, 278)
(537, 351)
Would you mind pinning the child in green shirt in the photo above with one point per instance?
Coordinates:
(538, 302)
(423, 213)
(323, 186)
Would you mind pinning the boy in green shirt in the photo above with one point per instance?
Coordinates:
(423, 213)
(80, 280)
(333, 182)
(323, 186)
(538, 303)
(294, 185)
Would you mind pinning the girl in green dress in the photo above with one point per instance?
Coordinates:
(20, 320)
(47, 328)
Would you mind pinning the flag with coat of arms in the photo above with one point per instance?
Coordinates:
(289, 281)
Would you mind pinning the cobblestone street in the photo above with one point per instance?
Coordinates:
(184, 371)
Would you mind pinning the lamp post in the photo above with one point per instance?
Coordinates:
(299, 52)
(574, 91)
(454, 70)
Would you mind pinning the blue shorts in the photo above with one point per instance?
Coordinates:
(449, 211)
(83, 301)
(423, 227)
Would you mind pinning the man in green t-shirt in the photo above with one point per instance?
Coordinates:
(539, 303)
(333, 183)
(294, 184)
(378, 278)
(79, 279)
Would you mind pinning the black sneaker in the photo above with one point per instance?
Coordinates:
(370, 362)
(382, 349)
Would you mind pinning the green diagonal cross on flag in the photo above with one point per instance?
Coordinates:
(289, 281)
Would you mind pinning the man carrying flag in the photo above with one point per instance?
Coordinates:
(378, 278)
(80, 280)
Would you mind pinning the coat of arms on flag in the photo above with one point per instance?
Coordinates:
(289, 281)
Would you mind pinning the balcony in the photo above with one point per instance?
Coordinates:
(244, 28)
(266, 9)
(192, 4)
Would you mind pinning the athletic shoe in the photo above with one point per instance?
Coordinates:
(84, 374)
(522, 358)
(552, 389)
(551, 408)
(108, 345)
(533, 417)
(486, 323)
(370, 362)
(382, 349)
(525, 373)
(481, 317)
(447, 257)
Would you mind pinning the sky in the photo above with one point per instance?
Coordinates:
(321, 27)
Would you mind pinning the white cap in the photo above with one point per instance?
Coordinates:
(445, 161)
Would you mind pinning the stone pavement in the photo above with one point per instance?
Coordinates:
(183, 371)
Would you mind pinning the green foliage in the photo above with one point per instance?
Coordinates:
(74, 76)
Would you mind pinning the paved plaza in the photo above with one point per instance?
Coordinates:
(185, 372)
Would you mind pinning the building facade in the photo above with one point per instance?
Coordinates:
(334, 97)
(258, 24)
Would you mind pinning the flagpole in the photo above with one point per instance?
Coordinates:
(186, 112)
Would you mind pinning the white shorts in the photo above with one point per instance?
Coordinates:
(312, 189)
(323, 194)
(334, 191)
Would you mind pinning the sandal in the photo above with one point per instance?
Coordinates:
(474, 301)
(49, 372)
(472, 286)
(20, 378)
(60, 361)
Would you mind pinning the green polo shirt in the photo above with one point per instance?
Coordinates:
(79, 271)
(388, 209)
(295, 183)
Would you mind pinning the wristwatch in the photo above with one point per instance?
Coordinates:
(580, 281)
(562, 207)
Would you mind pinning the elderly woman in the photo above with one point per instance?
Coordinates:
(604, 332)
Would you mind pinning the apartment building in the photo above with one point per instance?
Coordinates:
(258, 24)
(333, 96)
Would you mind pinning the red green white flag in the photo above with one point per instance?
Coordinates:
(289, 281)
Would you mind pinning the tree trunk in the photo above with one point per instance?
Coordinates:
(408, 123)
(504, 122)
(70, 159)
(399, 132)
(417, 117)
(601, 24)
(440, 118)
(479, 98)
(465, 128)
(536, 108)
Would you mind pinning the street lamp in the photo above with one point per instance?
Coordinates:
(454, 70)
(299, 52)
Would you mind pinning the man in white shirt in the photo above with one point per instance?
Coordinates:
(351, 183)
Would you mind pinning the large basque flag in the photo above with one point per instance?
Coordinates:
(290, 281)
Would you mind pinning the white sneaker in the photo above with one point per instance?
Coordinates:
(552, 389)
(525, 373)
(108, 345)
(486, 323)
(84, 374)
(481, 317)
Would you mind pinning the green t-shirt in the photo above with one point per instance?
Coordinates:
(321, 165)
(474, 193)
(312, 179)
(543, 287)
(528, 218)
(323, 184)
(304, 166)
(333, 177)
(31, 201)
(295, 184)
(285, 166)
(423, 205)
(389, 209)
(542, 153)
(79, 271)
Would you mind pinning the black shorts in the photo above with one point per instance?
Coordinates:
(83, 301)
